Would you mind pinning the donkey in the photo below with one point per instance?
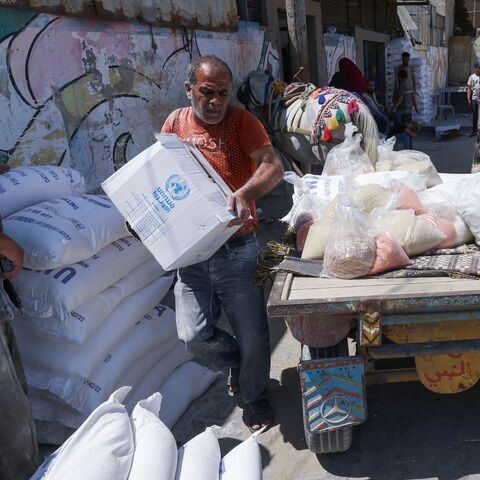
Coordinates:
(306, 122)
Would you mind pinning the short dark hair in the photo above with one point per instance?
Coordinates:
(402, 74)
(405, 54)
(211, 60)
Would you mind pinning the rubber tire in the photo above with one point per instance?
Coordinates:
(333, 441)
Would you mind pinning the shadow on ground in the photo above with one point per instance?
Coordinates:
(413, 433)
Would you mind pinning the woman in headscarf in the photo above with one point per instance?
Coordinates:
(349, 77)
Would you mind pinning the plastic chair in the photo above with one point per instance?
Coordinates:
(442, 107)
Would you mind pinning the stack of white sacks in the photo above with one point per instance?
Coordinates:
(424, 75)
(92, 319)
(111, 445)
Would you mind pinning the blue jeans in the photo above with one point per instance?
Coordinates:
(226, 281)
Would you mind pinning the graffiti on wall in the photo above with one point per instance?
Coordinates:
(336, 47)
(90, 94)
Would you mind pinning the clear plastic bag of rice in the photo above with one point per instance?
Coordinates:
(406, 160)
(348, 158)
(306, 206)
(351, 249)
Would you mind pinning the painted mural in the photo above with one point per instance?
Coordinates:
(336, 47)
(90, 94)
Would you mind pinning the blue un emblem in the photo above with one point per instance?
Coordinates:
(177, 187)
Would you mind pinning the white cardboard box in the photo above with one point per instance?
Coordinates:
(174, 200)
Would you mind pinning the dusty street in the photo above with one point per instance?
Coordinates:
(411, 433)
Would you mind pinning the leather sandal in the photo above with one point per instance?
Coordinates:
(258, 414)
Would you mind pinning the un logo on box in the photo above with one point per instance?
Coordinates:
(177, 187)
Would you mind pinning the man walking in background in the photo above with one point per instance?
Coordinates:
(473, 93)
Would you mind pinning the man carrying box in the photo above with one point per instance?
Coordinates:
(235, 143)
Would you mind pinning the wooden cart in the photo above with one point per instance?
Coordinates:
(431, 325)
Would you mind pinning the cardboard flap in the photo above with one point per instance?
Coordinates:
(224, 215)
(170, 141)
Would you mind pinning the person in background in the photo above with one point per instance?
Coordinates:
(473, 96)
(239, 149)
(402, 107)
(349, 77)
(18, 443)
(410, 70)
(375, 107)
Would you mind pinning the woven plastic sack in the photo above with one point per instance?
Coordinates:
(152, 371)
(88, 317)
(244, 462)
(348, 158)
(65, 230)
(156, 330)
(61, 368)
(55, 293)
(25, 186)
(155, 454)
(101, 449)
(199, 458)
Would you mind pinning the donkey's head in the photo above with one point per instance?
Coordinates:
(253, 92)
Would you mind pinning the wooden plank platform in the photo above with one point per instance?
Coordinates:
(323, 290)
(293, 295)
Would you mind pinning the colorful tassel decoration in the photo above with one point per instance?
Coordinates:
(340, 115)
(333, 123)
(327, 136)
(321, 99)
(352, 107)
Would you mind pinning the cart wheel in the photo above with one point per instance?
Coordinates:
(340, 439)
(315, 353)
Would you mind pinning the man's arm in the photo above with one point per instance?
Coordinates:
(268, 174)
(469, 92)
(414, 101)
(12, 252)
(397, 102)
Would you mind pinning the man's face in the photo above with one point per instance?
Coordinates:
(210, 95)
(477, 71)
(371, 86)
(405, 59)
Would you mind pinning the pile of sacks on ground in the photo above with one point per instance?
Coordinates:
(364, 220)
(92, 319)
(111, 445)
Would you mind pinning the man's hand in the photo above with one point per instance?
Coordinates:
(12, 252)
(239, 207)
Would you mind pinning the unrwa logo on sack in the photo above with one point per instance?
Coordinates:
(177, 187)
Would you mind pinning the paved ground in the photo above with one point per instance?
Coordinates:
(410, 433)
